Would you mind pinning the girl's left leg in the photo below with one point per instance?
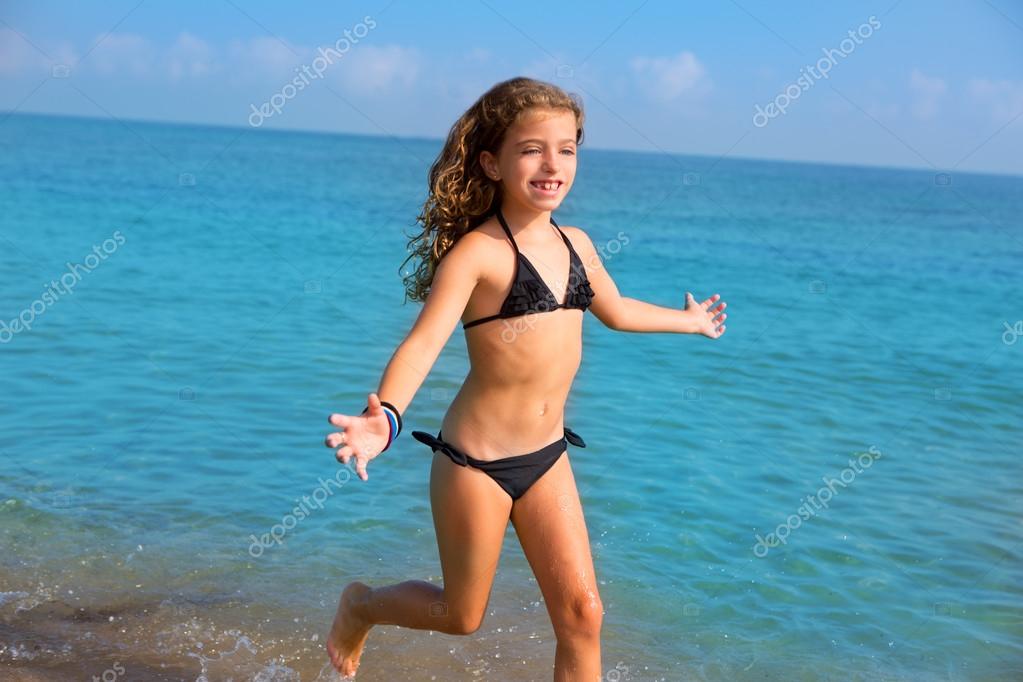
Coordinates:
(549, 522)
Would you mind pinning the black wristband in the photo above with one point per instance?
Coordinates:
(384, 403)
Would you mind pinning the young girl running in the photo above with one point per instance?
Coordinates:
(492, 256)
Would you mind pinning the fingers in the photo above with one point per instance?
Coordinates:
(690, 301)
(360, 466)
(339, 420)
(344, 454)
(710, 301)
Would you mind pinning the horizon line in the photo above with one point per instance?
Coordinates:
(5, 114)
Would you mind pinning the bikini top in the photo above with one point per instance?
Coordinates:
(530, 294)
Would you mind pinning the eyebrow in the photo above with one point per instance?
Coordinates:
(539, 141)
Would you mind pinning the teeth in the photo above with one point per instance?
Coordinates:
(548, 185)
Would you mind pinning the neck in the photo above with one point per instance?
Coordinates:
(526, 218)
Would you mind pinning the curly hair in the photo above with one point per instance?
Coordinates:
(461, 196)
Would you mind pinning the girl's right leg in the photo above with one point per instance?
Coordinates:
(470, 516)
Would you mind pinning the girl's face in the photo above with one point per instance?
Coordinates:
(536, 162)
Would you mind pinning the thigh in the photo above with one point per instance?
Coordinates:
(550, 525)
(470, 515)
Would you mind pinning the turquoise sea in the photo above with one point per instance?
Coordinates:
(192, 302)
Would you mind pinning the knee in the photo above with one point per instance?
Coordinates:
(455, 621)
(580, 618)
(464, 624)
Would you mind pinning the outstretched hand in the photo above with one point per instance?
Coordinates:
(363, 436)
(704, 319)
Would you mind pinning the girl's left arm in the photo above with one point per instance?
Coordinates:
(625, 314)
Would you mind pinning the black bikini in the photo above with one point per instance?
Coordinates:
(528, 294)
(515, 474)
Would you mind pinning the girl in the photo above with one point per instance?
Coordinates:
(492, 256)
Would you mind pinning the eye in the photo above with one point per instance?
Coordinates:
(570, 152)
(530, 151)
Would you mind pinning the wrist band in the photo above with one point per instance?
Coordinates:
(397, 414)
(393, 421)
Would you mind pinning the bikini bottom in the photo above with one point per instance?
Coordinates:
(515, 474)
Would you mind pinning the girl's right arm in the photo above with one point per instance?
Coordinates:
(454, 280)
(456, 277)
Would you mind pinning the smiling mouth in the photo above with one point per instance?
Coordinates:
(546, 185)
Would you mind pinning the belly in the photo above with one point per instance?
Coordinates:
(513, 400)
(536, 353)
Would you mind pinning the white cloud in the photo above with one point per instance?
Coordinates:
(667, 78)
(122, 53)
(372, 69)
(478, 54)
(16, 55)
(1004, 98)
(20, 57)
(265, 57)
(544, 69)
(365, 68)
(881, 110)
(190, 57)
(927, 91)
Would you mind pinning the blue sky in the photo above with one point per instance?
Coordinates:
(927, 85)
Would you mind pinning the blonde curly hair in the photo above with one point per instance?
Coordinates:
(461, 196)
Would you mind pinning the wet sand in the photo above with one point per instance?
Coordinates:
(60, 637)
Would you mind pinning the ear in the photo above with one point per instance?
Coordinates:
(489, 164)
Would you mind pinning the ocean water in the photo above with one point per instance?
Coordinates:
(831, 491)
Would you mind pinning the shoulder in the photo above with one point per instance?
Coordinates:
(583, 245)
(469, 252)
(481, 242)
(580, 240)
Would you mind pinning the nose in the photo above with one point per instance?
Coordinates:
(551, 161)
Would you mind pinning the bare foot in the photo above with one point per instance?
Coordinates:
(348, 633)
